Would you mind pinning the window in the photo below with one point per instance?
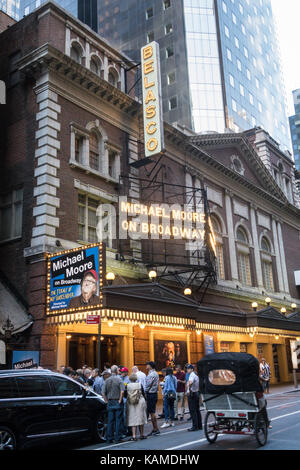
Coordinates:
(219, 246)
(87, 218)
(168, 28)
(33, 386)
(112, 163)
(169, 51)
(243, 257)
(79, 146)
(11, 208)
(94, 159)
(95, 66)
(267, 265)
(222, 377)
(112, 77)
(167, 4)
(229, 55)
(150, 37)
(239, 64)
(231, 80)
(8, 388)
(171, 78)
(149, 13)
(65, 387)
(173, 103)
(226, 31)
(76, 52)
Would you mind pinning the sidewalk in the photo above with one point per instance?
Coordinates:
(283, 388)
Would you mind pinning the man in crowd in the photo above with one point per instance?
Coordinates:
(180, 395)
(113, 392)
(193, 398)
(151, 390)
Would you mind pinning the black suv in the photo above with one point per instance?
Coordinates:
(40, 404)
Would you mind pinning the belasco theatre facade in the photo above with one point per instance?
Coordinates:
(180, 253)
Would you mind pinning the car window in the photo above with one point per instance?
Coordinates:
(8, 388)
(32, 386)
(65, 387)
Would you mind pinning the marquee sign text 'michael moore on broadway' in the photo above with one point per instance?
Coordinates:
(155, 221)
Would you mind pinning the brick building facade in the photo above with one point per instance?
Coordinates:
(69, 130)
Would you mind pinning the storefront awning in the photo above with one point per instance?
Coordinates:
(12, 309)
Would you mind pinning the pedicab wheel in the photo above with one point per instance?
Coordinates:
(261, 429)
(209, 426)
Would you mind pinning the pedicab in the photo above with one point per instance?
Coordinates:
(232, 396)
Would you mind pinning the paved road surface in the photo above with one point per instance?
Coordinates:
(283, 410)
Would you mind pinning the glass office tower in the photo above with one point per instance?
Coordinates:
(295, 128)
(84, 10)
(11, 8)
(221, 68)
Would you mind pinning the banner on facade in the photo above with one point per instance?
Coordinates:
(25, 359)
(152, 99)
(75, 280)
(295, 350)
(209, 344)
(168, 353)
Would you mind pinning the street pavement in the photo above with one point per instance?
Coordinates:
(283, 410)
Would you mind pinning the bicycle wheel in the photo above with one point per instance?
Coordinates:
(260, 429)
(210, 426)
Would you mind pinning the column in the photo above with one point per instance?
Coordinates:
(268, 355)
(283, 363)
(282, 256)
(61, 353)
(259, 276)
(188, 341)
(151, 346)
(278, 258)
(231, 237)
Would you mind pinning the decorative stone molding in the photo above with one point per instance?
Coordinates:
(46, 171)
(240, 209)
(215, 196)
(263, 221)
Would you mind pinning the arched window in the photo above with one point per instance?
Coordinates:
(217, 228)
(76, 52)
(267, 264)
(95, 65)
(243, 253)
(113, 77)
(94, 151)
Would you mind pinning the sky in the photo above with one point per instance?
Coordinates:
(287, 14)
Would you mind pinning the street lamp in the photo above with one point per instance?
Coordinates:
(152, 275)
(110, 277)
(254, 306)
(294, 306)
(268, 301)
(8, 328)
(283, 310)
(187, 291)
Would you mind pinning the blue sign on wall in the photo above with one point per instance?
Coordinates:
(209, 344)
(25, 359)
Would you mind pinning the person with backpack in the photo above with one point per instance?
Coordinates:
(169, 396)
(136, 407)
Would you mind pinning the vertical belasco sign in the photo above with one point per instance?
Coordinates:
(75, 280)
(152, 100)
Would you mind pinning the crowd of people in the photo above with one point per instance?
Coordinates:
(132, 397)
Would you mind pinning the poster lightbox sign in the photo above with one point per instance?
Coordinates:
(297, 278)
(295, 350)
(152, 99)
(75, 280)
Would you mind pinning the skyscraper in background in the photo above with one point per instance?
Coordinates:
(295, 128)
(11, 8)
(220, 63)
(84, 10)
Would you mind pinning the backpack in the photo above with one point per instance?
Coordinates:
(133, 396)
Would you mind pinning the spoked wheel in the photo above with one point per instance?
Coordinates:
(209, 427)
(7, 439)
(261, 429)
(99, 434)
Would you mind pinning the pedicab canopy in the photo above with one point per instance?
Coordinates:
(229, 373)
